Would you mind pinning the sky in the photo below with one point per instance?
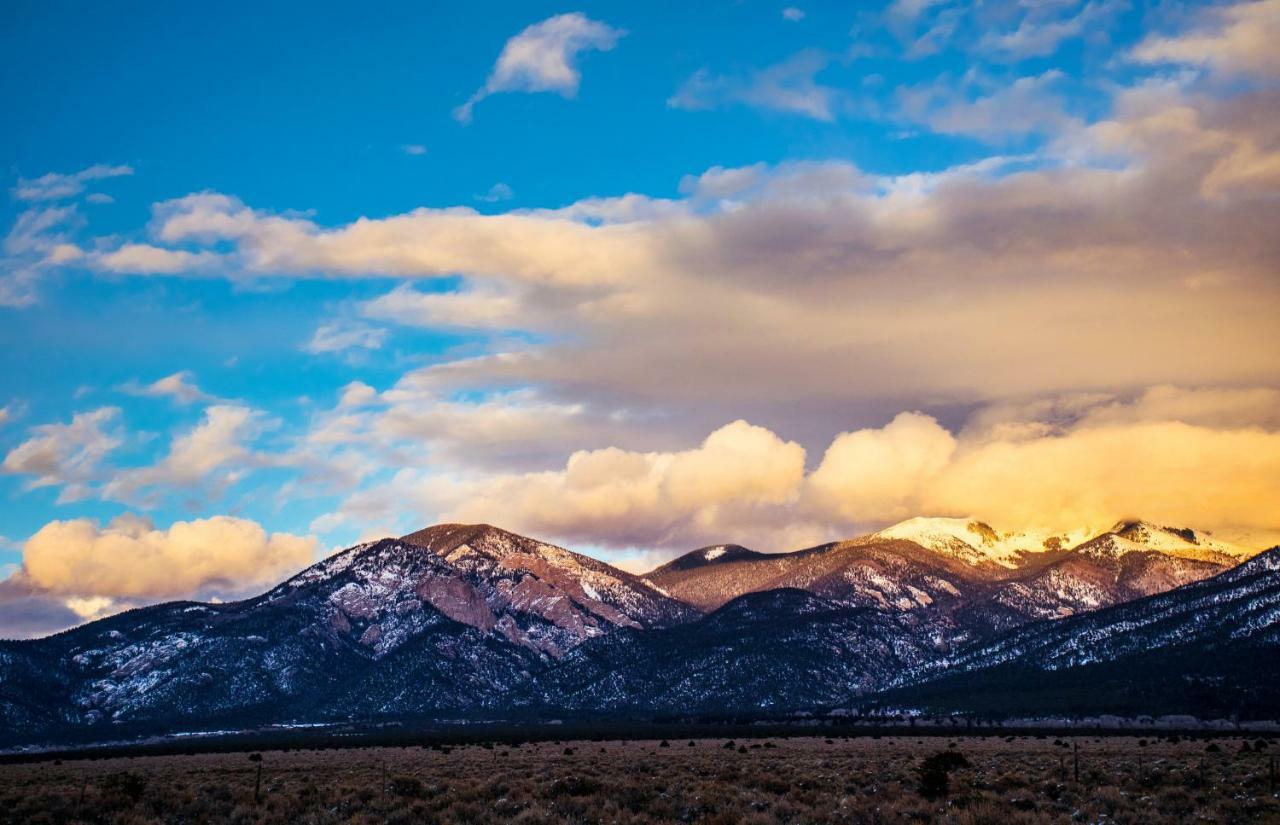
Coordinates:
(630, 277)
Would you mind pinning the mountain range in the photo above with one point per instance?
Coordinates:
(471, 621)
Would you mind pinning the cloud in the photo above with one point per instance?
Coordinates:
(1237, 39)
(180, 386)
(1028, 105)
(789, 87)
(25, 614)
(1130, 251)
(66, 455)
(543, 58)
(619, 497)
(423, 243)
(880, 474)
(792, 14)
(129, 558)
(342, 337)
(476, 308)
(56, 186)
(357, 394)
(1038, 36)
(214, 452)
(414, 149)
(145, 259)
(1114, 458)
(36, 245)
(910, 10)
(497, 192)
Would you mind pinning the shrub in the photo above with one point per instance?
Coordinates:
(409, 786)
(125, 786)
(935, 773)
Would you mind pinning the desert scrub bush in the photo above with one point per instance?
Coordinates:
(934, 773)
(123, 789)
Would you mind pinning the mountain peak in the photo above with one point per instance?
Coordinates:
(711, 554)
(970, 540)
(1179, 541)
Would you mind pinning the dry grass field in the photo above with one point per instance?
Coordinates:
(802, 780)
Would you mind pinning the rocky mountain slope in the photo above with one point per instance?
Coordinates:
(1212, 646)
(446, 619)
(963, 569)
(472, 621)
(778, 650)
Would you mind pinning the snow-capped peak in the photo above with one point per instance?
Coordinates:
(1179, 541)
(975, 542)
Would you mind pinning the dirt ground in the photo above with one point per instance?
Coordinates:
(1008, 780)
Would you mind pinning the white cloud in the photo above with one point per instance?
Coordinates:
(793, 14)
(790, 87)
(57, 186)
(543, 58)
(414, 149)
(1234, 39)
(130, 559)
(497, 192)
(37, 244)
(145, 259)
(477, 308)
(66, 455)
(357, 394)
(213, 453)
(341, 337)
(180, 386)
(1028, 105)
(1040, 36)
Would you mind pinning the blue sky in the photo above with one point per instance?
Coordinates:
(839, 216)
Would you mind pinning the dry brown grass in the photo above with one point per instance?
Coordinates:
(1026, 780)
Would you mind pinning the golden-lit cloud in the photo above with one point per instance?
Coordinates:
(129, 558)
(1208, 459)
(618, 496)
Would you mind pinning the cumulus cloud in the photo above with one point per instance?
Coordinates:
(59, 186)
(130, 559)
(1201, 458)
(790, 87)
(1234, 39)
(180, 386)
(357, 394)
(616, 496)
(543, 58)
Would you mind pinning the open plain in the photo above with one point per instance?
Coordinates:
(1006, 779)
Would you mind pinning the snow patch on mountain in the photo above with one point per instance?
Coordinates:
(975, 542)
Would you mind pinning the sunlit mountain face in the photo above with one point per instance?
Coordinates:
(932, 319)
